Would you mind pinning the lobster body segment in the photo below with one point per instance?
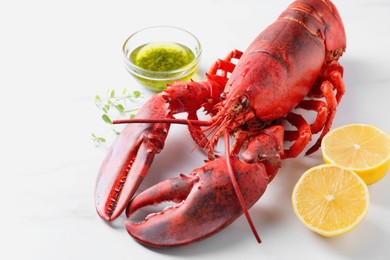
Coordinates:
(252, 97)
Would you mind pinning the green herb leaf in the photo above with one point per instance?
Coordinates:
(120, 107)
(136, 93)
(107, 119)
(97, 100)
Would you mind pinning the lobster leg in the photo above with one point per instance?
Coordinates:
(209, 201)
(260, 149)
(325, 112)
(132, 154)
(130, 157)
(334, 82)
(301, 137)
(322, 113)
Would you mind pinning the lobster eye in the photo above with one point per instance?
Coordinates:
(244, 101)
(222, 96)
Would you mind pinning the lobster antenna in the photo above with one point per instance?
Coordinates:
(163, 120)
(237, 188)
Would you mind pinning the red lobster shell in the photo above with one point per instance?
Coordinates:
(292, 64)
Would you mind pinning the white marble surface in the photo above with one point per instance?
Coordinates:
(55, 56)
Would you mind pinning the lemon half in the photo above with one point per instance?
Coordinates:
(330, 200)
(362, 148)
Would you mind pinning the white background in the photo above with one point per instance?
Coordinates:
(55, 56)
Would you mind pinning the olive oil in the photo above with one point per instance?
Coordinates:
(163, 62)
(163, 56)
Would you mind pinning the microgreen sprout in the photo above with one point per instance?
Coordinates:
(114, 106)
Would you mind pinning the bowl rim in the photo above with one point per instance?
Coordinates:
(131, 67)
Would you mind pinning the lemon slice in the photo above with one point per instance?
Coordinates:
(330, 200)
(361, 148)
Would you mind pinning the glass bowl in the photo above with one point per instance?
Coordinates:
(159, 55)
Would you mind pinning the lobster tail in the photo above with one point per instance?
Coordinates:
(322, 19)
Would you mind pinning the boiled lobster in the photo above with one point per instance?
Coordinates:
(252, 96)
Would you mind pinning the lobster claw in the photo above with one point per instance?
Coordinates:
(129, 159)
(208, 203)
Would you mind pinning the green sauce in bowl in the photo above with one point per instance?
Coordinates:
(160, 55)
